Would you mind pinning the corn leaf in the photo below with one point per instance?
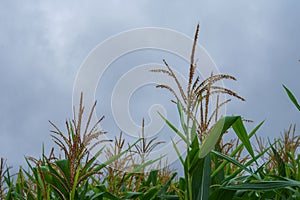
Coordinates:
(292, 97)
(219, 128)
(263, 185)
(241, 132)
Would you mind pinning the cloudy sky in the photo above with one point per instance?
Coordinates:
(43, 44)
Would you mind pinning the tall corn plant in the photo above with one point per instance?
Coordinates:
(200, 132)
(70, 177)
(67, 176)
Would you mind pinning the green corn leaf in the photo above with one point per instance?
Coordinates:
(235, 151)
(182, 136)
(182, 184)
(292, 97)
(177, 152)
(19, 183)
(193, 158)
(105, 195)
(263, 185)
(57, 182)
(181, 116)
(222, 194)
(64, 166)
(235, 162)
(91, 162)
(101, 188)
(35, 178)
(239, 170)
(152, 178)
(201, 179)
(150, 194)
(219, 128)
(140, 167)
(132, 195)
(241, 132)
(74, 186)
(195, 142)
(173, 197)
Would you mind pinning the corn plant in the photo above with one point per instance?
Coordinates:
(199, 135)
(127, 178)
(203, 135)
(68, 177)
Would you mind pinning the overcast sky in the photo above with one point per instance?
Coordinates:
(42, 46)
